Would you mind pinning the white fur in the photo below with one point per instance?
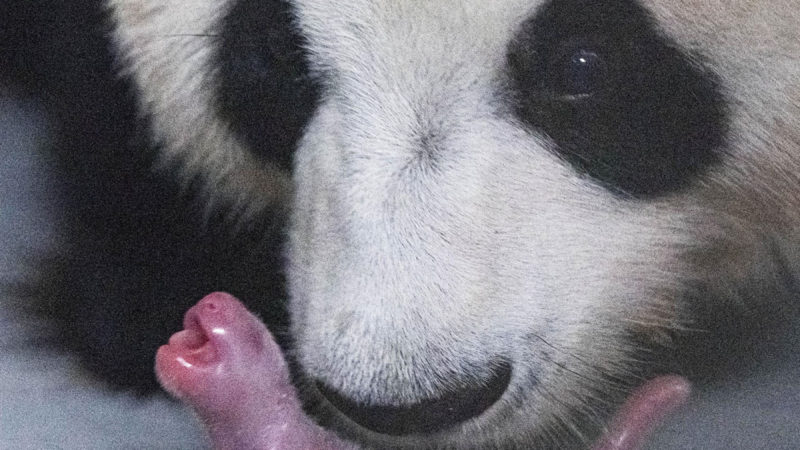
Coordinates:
(432, 232)
(412, 265)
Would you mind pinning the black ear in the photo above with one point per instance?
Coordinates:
(621, 101)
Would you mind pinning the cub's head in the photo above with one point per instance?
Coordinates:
(499, 211)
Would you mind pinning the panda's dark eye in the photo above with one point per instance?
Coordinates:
(622, 102)
(581, 73)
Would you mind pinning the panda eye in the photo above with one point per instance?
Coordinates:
(579, 73)
(622, 102)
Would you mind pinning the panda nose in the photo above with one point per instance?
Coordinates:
(428, 415)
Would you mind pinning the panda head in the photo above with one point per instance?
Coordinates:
(497, 209)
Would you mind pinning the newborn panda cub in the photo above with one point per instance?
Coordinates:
(227, 366)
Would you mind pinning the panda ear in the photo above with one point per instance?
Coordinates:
(266, 92)
(623, 104)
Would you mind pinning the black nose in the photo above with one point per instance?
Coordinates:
(426, 416)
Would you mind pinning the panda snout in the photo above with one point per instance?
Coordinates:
(459, 404)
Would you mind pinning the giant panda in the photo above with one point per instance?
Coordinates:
(541, 203)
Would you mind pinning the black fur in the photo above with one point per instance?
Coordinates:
(623, 104)
(138, 251)
(266, 91)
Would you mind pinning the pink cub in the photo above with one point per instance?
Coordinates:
(228, 367)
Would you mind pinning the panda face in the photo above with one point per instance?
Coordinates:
(495, 206)
(455, 232)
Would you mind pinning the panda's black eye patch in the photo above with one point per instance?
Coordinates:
(623, 104)
(265, 90)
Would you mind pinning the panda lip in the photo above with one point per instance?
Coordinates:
(427, 416)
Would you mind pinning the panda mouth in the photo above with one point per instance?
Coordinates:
(427, 416)
(646, 408)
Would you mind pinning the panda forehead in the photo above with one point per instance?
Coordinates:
(433, 33)
(419, 26)
(441, 29)
(449, 30)
(711, 26)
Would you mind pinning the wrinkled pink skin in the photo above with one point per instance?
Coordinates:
(644, 410)
(227, 366)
